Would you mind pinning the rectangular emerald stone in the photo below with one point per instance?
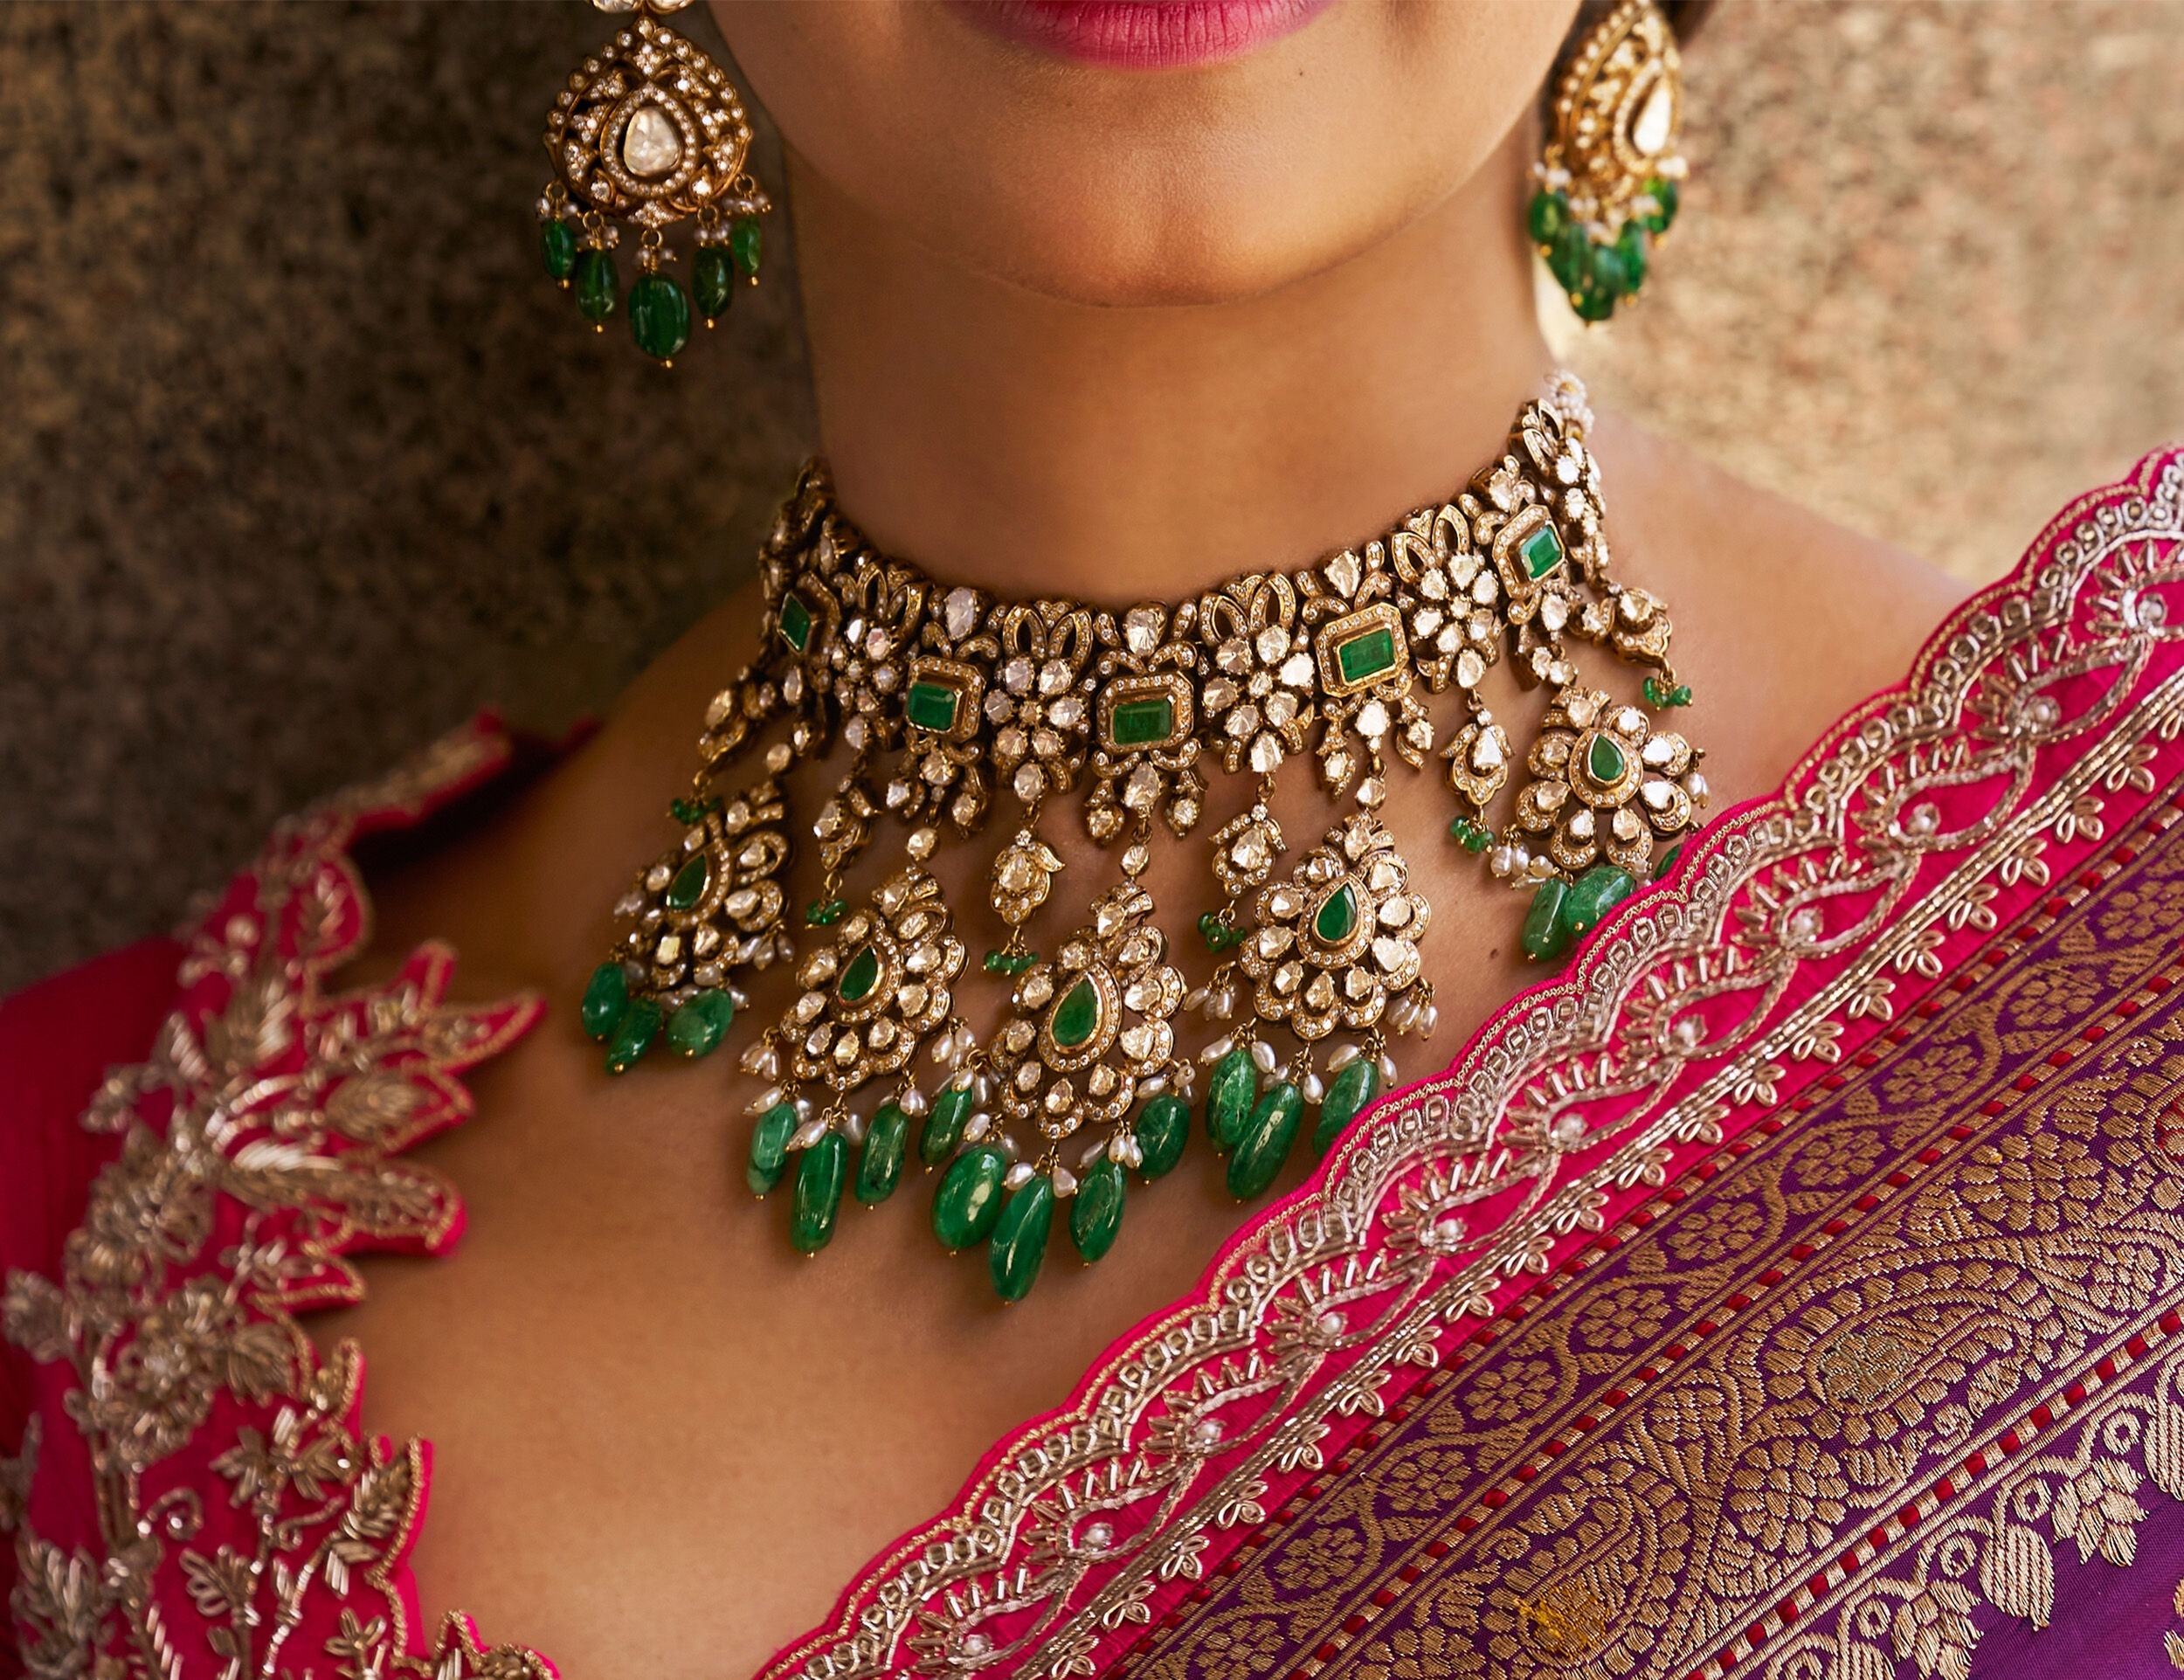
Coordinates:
(1134, 723)
(796, 622)
(1542, 552)
(1367, 655)
(931, 705)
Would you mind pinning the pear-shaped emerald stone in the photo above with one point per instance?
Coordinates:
(1338, 914)
(1096, 1212)
(1603, 760)
(857, 978)
(1019, 1238)
(1077, 1016)
(688, 886)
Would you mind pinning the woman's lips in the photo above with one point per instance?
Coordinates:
(1141, 34)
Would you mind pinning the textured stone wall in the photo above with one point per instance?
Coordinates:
(301, 458)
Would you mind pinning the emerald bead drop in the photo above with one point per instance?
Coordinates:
(1668, 860)
(690, 881)
(1545, 937)
(1665, 193)
(1630, 251)
(1095, 1212)
(819, 1194)
(633, 1034)
(944, 1126)
(557, 242)
(968, 1203)
(697, 1026)
(713, 280)
(880, 1168)
(1348, 1093)
(598, 287)
(605, 997)
(770, 1148)
(1336, 917)
(1229, 1091)
(1077, 1016)
(658, 315)
(1593, 895)
(1217, 935)
(1609, 277)
(1265, 1142)
(1163, 1130)
(1020, 1238)
(1546, 217)
(824, 912)
(1570, 260)
(1595, 304)
(742, 243)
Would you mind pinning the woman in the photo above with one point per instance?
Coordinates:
(1787, 1280)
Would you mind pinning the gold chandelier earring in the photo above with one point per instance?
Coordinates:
(1607, 179)
(651, 133)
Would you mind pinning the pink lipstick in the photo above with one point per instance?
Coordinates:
(1141, 34)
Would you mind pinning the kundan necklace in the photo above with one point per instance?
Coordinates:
(944, 696)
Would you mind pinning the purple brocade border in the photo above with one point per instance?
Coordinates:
(1898, 1386)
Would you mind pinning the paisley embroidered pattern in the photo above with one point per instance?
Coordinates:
(260, 1146)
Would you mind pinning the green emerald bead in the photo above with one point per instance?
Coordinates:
(1338, 914)
(1603, 760)
(1593, 895)
(860, 977)
(713, 280)
(558, 242)
(658, 315)
(1229, 1092)
(1609, 276)
(944, 1126)
(1545, 937)
(769, 1147)
(742, 243)
(968, 1203)
(824, 913)
(1630, 252)
(1217, 935)
(696, 1027)
(1348, 1093)
(880, 1168)
(1265, 1142)
(690, 813)
(1668, 860)
(1548, 214)
(1077, 1016)
(604, 998)
(690, 884)
(1654, 694)
(1681, 694)
(633, 1034)
(1020, 1238)
(597, 286)
(1570, 258)
(1665, 193)
(1161, 1130)
(1095, 1212)
(1595, 304)
(1473, 837)
(819, 1176)
(1009, 963)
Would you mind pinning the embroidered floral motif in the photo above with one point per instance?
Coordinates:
(259, 1147)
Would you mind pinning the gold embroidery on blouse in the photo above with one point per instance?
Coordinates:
(291, 1103)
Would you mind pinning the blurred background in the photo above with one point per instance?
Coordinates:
(302, 459)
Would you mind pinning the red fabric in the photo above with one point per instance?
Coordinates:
(57, 1041)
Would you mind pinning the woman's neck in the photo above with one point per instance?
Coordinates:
(1000, 438)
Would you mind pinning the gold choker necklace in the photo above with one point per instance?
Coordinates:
(944, 697)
